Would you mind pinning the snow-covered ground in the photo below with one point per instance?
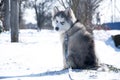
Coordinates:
(38, 56)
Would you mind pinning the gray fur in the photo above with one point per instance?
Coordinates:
(81, 54)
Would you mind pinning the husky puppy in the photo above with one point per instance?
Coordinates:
(78, 43)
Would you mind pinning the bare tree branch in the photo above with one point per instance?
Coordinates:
(83, 9)
(62, 3)
(41, 10)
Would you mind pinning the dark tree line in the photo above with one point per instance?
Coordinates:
(11, 12)
(42, 11)
(11, 16)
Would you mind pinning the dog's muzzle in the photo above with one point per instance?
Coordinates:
(56, 28)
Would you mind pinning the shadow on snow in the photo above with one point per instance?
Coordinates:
(49, 73)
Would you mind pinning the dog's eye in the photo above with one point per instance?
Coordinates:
(62, 23)
(56, 21)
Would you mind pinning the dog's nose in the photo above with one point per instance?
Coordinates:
(56, 28)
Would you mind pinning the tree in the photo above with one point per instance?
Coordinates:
(6, 15)
(1, 9)
(40, 10)
(14, 20)
(83, 9)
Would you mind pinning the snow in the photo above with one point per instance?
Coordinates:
(38, 56)
(105, 47)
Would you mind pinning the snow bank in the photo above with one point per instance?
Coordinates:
(105, 48)
(40, 52)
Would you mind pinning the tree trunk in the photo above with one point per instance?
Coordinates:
(14, 18)
(6, 15)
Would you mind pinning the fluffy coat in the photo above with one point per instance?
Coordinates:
(80, 44)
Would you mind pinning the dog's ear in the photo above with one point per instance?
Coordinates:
(55, 10)
(69, 12)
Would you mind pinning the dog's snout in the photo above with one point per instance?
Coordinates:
(56, 28)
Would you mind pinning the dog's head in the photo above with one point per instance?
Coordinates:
(62, 20)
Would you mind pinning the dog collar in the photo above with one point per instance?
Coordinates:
(74, 23)
(72, 26)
